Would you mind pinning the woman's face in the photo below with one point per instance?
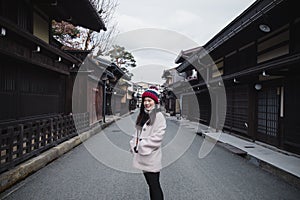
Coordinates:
(148, 103)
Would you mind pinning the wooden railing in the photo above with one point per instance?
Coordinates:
(23, 141)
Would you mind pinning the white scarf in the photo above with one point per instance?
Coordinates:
(150, 110)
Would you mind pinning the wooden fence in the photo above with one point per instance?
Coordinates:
(23, 141)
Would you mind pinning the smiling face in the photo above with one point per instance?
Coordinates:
(149, 103)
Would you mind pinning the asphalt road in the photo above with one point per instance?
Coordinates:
(102, 171)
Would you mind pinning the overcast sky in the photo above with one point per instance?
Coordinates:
(156, 31)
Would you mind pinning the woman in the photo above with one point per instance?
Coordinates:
(146, 143)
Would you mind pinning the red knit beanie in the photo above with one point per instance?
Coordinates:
(152, 93)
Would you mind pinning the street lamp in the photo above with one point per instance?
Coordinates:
(104, 79)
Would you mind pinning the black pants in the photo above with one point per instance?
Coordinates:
(155, 190)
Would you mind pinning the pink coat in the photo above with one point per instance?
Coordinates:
(149, 153)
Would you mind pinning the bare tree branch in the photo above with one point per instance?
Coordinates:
(87, 39)
(103, 40)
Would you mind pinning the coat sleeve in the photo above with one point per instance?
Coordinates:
(151, 143)
(132, 142)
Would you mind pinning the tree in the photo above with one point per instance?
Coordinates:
(85, 39)
(65, 33)
(122, 58)
(101, 42)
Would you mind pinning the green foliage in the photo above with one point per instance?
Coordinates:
(121, 57)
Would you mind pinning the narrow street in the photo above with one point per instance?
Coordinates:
(73, 73)
(220, 175)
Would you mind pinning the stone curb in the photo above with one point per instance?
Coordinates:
(288, 177)
(20, 172)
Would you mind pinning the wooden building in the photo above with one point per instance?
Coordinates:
(103, 92)
(37, 77)
(116, 92)
(170, 101)
(257, 57)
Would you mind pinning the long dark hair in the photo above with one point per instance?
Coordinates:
(143, 117)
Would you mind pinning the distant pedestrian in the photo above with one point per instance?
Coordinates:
(146, 143)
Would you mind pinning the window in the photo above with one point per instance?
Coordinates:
(273, 46)
(218, 68)
(24, 19)
(40, 27)
(231, 62)
(247, 56)
(296, 38)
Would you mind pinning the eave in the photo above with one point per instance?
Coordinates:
(244, 29)
(79, 12)
(255, 13)
(14, 36)
(184, 54)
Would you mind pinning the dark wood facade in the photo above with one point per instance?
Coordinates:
(27, 91)
(37, 77)
(256, 57)
(33, 70)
